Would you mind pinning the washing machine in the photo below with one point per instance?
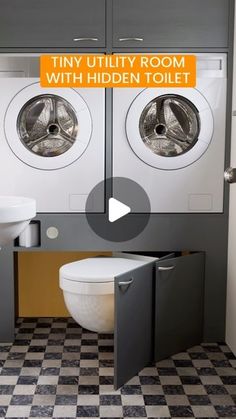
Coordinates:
(52, 141)
(171, 141)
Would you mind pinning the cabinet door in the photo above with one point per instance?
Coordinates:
(133, 343)
(52, 23)
(170, 23)
(179, 304)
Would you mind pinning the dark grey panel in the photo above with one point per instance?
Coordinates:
(133, 323)
(7, 306)
(179, 304)
(51, 23)
(171, 23)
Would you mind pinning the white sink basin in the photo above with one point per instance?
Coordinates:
(15, 214)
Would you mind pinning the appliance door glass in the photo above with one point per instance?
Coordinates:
(169, 125)
(47, 125)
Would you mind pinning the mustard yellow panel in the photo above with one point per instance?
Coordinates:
(39, 294)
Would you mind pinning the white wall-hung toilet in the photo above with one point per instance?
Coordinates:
(88, 289)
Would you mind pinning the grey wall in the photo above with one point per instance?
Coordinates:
(163, 233)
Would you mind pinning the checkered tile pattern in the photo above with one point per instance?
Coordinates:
(55, 369)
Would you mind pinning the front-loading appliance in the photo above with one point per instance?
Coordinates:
(52, 140)
(171, 141)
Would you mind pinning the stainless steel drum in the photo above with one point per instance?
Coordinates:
(169, 125)
(47, 125)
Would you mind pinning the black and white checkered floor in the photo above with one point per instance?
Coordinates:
(55, 369)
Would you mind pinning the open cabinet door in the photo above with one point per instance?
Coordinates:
(179, 304)
(133, 343)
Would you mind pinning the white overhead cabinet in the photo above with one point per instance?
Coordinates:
(170, 23)
(52, 23)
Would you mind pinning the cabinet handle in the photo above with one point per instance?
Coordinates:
(122, 283)
(165, 268)
(131, 39)
(85, 39)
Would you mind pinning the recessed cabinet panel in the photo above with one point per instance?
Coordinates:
(52, 23)
(133, 345)
(178, 304)
(170, 23)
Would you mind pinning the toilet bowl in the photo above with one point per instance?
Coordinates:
(88, 289)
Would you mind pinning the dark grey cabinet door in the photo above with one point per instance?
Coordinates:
(52, 23)
(170, 23)
(133, 343)
(179, 304)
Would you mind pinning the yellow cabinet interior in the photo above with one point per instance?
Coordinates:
(38, 291)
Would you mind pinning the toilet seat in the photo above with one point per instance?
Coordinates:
(94, 276)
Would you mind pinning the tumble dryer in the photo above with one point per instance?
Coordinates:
(52, 141)
(171, 141)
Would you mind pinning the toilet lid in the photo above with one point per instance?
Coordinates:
(99, 269)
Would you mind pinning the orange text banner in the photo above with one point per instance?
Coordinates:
(118, 70)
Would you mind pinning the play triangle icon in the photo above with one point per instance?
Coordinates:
(117, 210)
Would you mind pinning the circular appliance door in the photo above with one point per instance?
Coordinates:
(170, 130)
(48, 128)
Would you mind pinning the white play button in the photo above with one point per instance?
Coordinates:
(117, 210)
(120, 222)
